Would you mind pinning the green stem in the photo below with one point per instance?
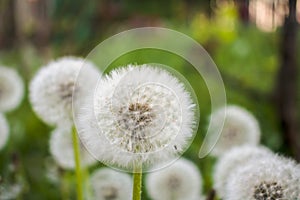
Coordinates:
(76, 149)
(137, 183)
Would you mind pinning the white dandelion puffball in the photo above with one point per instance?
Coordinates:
(108, 184)
(61, 148)
(234, 158)
(4, 131)
(11, 89)
(182, 180)
(240, 128)
(273, 178)
(138, 114)
(51, 89)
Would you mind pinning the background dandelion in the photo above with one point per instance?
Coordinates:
(232, 160)
(11, 89)
(240, 127)
(109, 184)
(51, 96)
(181, 180)
(61, 148)
(51, 90)
(268, 178)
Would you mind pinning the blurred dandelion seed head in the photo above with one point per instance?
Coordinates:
(61, 148)
(181, 180)
(51, 90)
(108, 184)
(11, 89)
(240, 128)
(232, 159)
(268, 178)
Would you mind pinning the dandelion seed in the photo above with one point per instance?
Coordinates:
(141, 114)
(51, 89)
(108, 184)
(11, 89)
(182, 180)
(4, 131)
(240, 128)
(61, 148)
(274, 178)
(234, 158)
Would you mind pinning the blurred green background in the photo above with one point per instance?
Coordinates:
(244, 38)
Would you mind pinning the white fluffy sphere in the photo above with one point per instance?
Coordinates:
(51, 90)
(108, 184)
(182, 180)
(11, 89)
(139, 114)
(233, 159)
(61, 148)
(240, 128)
(273, 178)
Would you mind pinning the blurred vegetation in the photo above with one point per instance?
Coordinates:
(247, 58)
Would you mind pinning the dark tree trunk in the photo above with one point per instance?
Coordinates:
(7, 24)
(243, 9)
(287, 82)
(43, 29)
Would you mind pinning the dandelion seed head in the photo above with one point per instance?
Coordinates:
(274, 178)
(61, 148)
(232, 159)
(4, 131)
(51, 90)
(240, 128)
(141, 114)
(108, 184)
(11, 89)
(181, 180)
(139, 110)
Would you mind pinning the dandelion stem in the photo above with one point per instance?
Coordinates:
(77, 164)
(137, 182)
